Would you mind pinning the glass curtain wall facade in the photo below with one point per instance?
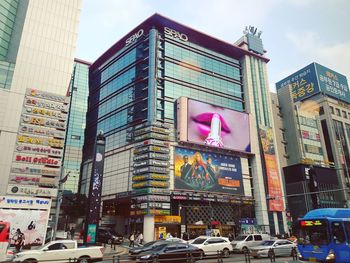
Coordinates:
(134, 90)
(73, 154)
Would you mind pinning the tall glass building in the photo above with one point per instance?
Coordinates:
(73, 153)
(182, 113)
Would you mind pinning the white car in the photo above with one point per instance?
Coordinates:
(242, 243)
(281, 247)
(211, 245)
(60, 251)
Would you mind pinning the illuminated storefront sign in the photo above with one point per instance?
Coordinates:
(153, 176)
(158, 198)
(150, 184)
(151, 169)
(152, 162)
(38, 149)
(151, 149)
(151, 142)
(38, 160)
(40, 141)
(32, 191)
(167, 219)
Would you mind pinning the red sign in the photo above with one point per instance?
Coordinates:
(38, 160)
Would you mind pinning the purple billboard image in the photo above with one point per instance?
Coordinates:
(217, 126)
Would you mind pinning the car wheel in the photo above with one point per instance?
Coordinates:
(31, 260)
(84, 260)
(226, 253)
(255, 257)
(201, 254)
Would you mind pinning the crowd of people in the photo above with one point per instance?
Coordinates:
(135, 238)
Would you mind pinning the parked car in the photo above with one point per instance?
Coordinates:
(171, 252)
(134, 252)
(243, 242)
(109, 236)
(281, 247)
(210, 245)
(60, 251)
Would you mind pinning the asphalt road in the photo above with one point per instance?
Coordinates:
(237, 258)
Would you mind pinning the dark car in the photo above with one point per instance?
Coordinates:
(109, 236)
(170, 252)
(134, 252)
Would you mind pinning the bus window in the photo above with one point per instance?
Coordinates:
(338, 233)
(347, 229)
(313, 232)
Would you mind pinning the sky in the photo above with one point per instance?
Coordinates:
(295, 32)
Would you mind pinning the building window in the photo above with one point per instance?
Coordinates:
(75, 137)
(321, 110)
(338, 112)
(332, 109)
(344, 114)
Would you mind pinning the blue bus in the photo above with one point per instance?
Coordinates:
(324, 235)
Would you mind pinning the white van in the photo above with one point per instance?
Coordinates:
(243, 242)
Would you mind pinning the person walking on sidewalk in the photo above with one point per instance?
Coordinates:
(132, 239)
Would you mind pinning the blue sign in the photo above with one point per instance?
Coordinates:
(303, 83)
(247, 221)
(207, 171)
(332, 83)
(314, 79)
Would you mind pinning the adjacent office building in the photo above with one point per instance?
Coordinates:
(73, 150)
(315, 114)
(190, 144)
(37, 44)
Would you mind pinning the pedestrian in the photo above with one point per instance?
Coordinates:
(132, 240)
(72, 233)
(19, 240)
(140, 236)
(169, 235)
(185, 236)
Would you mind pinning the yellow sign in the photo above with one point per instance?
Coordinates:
(167, 219)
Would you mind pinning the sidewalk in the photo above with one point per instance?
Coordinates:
(110, 251)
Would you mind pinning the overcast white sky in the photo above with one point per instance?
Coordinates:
(295, 32)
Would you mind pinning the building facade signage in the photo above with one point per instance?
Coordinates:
(151, 169)
(58, 143)
(37, 160)
(46, 104)
(45, 113)
(24, 202)
(154, 176)
(134, 37)
(32, 191)
(152, 162)
(38, 150)
(151, 149)
(151, 142)
(41, 131)
(47, 96)
(35, 171)
(25, 119)
(167, 219)
(157, 198)
(33, 180)
(175, 34)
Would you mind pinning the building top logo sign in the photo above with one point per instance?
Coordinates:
(46, 95)
(175, 34)
(134, 37)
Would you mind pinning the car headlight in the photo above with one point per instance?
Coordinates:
(331, 255)
(146, 256)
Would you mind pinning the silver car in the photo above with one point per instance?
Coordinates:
(281, 247)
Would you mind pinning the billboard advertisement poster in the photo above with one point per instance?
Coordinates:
(211, 125)
(91, 234)
(205, 171)
(32, 223)
(273, 177)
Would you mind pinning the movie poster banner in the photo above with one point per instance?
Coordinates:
(273, 177)
(32, 223)
(206, 171)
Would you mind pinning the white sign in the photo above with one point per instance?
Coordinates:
(38, 149)
(35, 170)
(134, 37)
(46, 105)
(175, 34)
(32, 191)
(46, 95)
(17, 202)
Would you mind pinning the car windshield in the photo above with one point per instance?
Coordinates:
(240, 238)
(313, 232)
(267, 243)
(149, 243)
(159, 247)
(199, 241)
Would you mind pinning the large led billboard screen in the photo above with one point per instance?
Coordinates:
(211, 125)
(206, 171)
